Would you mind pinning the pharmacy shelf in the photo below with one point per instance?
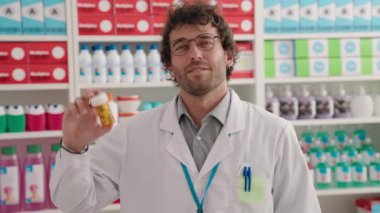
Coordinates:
(28, 87)
(340, 121)
(348, 191)
(30, 135)
(319, 35)
(25, 38)
(302, 80)
(149, 85)
(146, 38)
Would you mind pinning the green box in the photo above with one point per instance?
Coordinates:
(302, 48)
(302, 67)
(334, 48)
(269, 50)
(365, 47)
(270, 68)
(335, 66)
(366, 68)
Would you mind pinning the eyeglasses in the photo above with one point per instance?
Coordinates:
(204, 42)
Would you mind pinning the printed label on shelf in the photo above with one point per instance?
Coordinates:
(99, 25)
(48, 73)
(10, 17)
(133, 25)
(132, 7)
(47, 52)
(14, 74)
(95, 7)
(13, 53)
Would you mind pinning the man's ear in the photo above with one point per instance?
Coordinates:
(229, 58)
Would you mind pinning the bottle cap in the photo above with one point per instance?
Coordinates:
(55, 147)
(125, 47)
(34, 148)
(84, 47)
(153, 47)
(139, 47)
(8, 150)
(98, 100)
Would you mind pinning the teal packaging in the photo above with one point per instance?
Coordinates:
(344, 15)
(55, 17)
(272, 16)
(290, 16)
(375, 22)
(308, 15)
(362, 15)
(16, 121)
(326, 15)
(10, 17)
(3, 122)
(32, 17)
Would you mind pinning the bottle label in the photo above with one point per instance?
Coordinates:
(34, 184)
(324, 107)
(288, 108)
(323, 175)
(9, 185)
(343, 174)
(359, 174)
(374, 172)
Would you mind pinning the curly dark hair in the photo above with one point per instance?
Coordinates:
(198, 13)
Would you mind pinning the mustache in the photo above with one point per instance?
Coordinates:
(197, 64)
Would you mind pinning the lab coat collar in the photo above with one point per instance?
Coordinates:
(223, 145)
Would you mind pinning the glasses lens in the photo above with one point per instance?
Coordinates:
(205, 41)
(180, 47)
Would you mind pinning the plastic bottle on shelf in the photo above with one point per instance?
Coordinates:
(374, 170)
(99, 64)
(360, 134)
(54, 149)
(3, 122)
(288, 105)
(362, 104)
(306, 105)
(114, 108)
(85, 65)
(126, 64)
(325, 104)
(34, 180)
(341, 137)
(10, 195)
(307, 140)
(35, 118)
(315, 153)
(323, 174)
(154, 64)
(271, 103)
(342, 104)
(350, 151)
(343, 173)
(333, 154)
(15, 118)
(140, 64)
(113, 64)
(359, 172)
(324, 138)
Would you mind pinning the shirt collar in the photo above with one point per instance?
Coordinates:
(220, 112)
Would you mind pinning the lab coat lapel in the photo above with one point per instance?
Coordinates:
(223, 145)
(177, 145)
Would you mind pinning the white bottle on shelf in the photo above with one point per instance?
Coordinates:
(113, 64)
(154, 64)
(271, 103)
(325, 104)
(126, 64)
(362, 104)
(99, 64)
(140, 64)
(85, 65)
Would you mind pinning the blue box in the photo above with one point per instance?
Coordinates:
(32, 17)
(272, 16)
(375, 22)
(10, 17)
(344, 15)
(326, 15)
(362, 15)
(308, 15)
(55, 17)
(290, 16)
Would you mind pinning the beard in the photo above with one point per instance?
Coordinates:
(202, 83)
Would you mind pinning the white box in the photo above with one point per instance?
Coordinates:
(272, 16)
(32, 17)
(375, 47)
(10, 17)
(344, 15)
(290, 16)
(319, 67)
(283, 49)
(284, 68)
(308, 15)
(55, 17)
(376, 66)
(362, 15)
(318, 48)
(326, 15)
(375, 23)
(351, 66)
(349, 47)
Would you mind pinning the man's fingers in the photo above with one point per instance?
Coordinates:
(71, 110)
(82, 106)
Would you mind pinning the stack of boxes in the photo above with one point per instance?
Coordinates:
(144, 17)
(32, 17)
(292, 16)
(33, 62)
(322, 57)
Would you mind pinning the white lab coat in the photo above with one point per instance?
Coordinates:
(139, 162)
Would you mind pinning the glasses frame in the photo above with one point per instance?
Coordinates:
(196, 43)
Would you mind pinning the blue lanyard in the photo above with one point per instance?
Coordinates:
(191, 186)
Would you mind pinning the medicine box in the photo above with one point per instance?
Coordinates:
(272, 16)
(10, 17)
(308, 15)
(326, 15)
(55, 17)
(32, 17)
(362, 15)
(344, 15)
(290, 16)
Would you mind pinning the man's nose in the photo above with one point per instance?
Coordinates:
(194, 52)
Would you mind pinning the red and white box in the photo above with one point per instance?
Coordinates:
(241, 24)
(14, 74)
(133, 25)
(245, 66)
(55, 73)
(161, 7)
(95, 7)
(13, 53)
(158, 23)
(47, 52)
(368, 205)
(132, 7)
(237, 7)
(96, 25)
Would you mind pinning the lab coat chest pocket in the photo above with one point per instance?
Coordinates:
(250, 194)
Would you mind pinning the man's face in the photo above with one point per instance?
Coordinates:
(198, 71)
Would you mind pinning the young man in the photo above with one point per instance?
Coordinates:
(205, 151)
